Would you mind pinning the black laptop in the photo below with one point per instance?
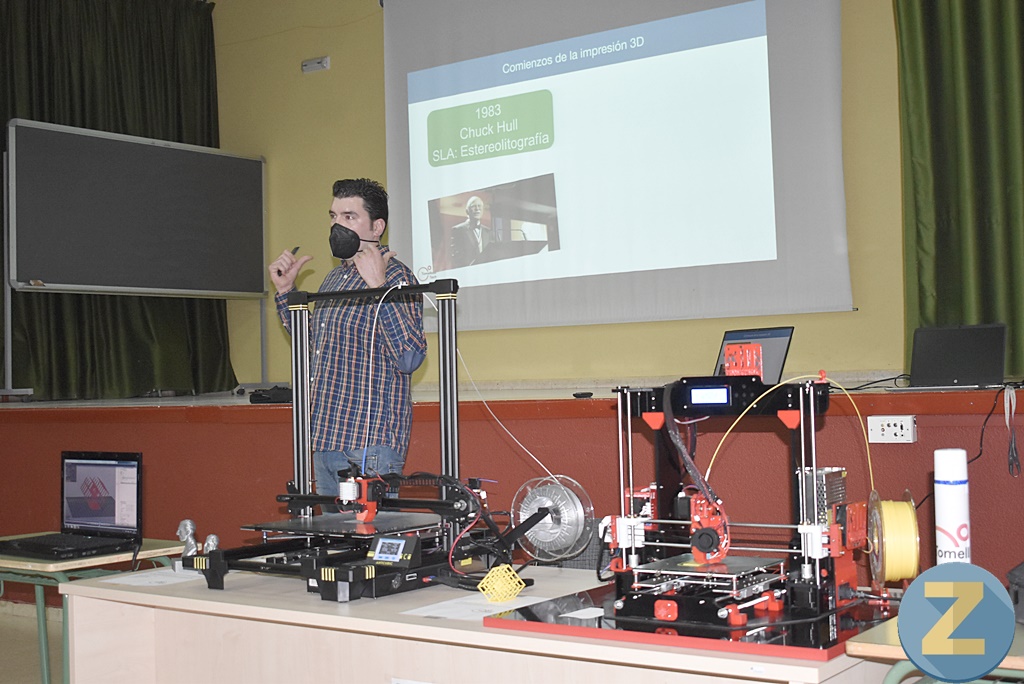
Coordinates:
(101, 509)
(772, 342)
(958, 357)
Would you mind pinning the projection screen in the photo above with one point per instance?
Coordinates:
(599, 161)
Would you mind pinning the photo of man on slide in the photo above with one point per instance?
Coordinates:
(495, 223)
(470, 237)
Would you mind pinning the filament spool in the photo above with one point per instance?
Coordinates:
(894, 542)
(567, 529)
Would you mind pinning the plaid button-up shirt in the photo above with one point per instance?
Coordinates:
(361, 396)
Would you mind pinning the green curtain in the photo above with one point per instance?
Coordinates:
(961, 68)
(136, 67)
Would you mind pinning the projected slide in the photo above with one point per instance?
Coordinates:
(635, 149)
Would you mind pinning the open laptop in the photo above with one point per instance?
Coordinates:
(766, 347)
(101, 509)
(957, 357)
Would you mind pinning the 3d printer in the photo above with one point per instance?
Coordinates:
(679, 566)
(380, 543)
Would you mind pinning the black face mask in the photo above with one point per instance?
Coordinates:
(345, 241)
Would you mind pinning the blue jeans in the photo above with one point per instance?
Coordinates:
(379, 460)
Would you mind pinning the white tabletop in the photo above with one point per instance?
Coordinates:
(285, 600)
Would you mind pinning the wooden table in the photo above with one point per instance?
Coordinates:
(263, 628)
(53, 573)
(882, 643)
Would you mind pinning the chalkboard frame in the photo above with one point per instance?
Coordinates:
(95, 212)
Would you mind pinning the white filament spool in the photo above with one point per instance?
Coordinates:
(952, 507)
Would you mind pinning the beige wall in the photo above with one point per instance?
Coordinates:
(314, 128)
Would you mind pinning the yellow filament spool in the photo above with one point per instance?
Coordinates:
(894, 542)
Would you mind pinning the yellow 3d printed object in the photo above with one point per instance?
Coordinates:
(501, 583)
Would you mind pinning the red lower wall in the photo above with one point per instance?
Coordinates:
(223, 466)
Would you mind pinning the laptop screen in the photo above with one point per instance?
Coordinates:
(101, 493)
(959, 355)
(774, 348)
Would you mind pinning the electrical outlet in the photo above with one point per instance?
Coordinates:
(892, 429)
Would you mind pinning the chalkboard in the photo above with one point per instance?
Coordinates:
(95, 212)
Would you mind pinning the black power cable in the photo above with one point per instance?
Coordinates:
(981, 443)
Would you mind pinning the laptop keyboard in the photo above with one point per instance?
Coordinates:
(71, 541)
